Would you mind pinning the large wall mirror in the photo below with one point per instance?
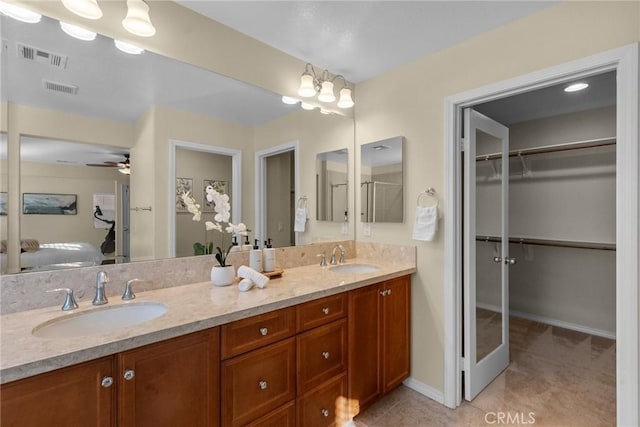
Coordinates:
(122, 111)
(332, 185)
(381, 181)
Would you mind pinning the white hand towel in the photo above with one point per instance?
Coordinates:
(300, 220)
(245, 285)
(426, 223)
(249, 273)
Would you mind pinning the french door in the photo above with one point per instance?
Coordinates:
(486, 251)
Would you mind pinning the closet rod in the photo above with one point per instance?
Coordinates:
(601, 142)
(556, 243)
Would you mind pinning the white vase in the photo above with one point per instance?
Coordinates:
(222, 276)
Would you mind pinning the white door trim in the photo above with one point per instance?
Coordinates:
(261, 179)
(236, 182)
(624, 61)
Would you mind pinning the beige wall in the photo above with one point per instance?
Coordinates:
(409, 101)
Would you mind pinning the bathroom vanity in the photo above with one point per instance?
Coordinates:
(278, 356)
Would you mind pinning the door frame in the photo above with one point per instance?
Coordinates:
(624, 61)
(261, 184)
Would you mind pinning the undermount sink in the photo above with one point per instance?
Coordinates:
(354, 268)
(100, 320)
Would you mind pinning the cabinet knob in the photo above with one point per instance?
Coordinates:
(129, 374)
(388, 291)
(324, 412)
(383, 293)
(510, 261)
(497, 259)
(325, 354)
(325, 310)
(107, 382)
(264, 331)
(262, 385)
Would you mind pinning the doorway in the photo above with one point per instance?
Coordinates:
(624, 62)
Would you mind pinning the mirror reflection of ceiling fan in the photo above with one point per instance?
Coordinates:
(123, 166)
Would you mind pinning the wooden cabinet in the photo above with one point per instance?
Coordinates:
(80, 395)
(379, 339)
(170, 383)
(285, 416)
(320, 407)
(321, 311)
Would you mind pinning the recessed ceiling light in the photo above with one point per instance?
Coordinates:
(289, 100)
(128, 47)
(575, 87)
(77, 32)
(19, 13)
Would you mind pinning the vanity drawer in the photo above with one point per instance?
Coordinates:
(247, 334)
(322, 354)
(321, 311)
(255, 383)
(318, 408)
(281, 417)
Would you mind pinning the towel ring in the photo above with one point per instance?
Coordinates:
(302, 202)
(431, 193)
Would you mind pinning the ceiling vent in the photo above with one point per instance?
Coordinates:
(60, 87)
(31, 53)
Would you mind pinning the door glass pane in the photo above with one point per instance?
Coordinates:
(488, 243)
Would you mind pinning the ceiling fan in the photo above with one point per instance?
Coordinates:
(123, 166)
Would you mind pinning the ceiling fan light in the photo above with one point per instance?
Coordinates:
(125, 171)
(77, 32)
(345, 100)
(307, 107)
(137, 20)
(128, 47)
(326, 92)
(307, 87)
(19, 13)
(85, 8)
(289, 100)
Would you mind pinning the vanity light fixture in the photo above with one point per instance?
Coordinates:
(575, 87)
(85, 8)
(128, 47)
(19, 13)
(322, 85)
(137, 20)
(77, 32)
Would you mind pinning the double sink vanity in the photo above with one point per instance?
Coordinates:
(312, 348)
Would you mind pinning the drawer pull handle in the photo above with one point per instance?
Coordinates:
(325, 354)
(324, 412)
(325, 310)
(129, 374)
(262, 385)
(264, 331)
(107, 382)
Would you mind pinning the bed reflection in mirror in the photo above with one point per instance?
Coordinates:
(332, 185)
(381, 181)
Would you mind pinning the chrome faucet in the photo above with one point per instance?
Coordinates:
(101, 297)
(333, 255)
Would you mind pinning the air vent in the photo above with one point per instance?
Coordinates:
(60, 87)
(31, 53)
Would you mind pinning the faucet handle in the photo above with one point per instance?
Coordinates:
(323, 260)
(69, 301)
(128, 290)
(342, 254)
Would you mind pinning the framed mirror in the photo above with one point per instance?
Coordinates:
(332, 186)
(382, 181)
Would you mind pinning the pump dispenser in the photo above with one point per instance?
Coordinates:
(246, 246)
(269, 257)
(255, 257)
(234, 244)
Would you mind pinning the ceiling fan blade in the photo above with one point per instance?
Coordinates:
(104, 165)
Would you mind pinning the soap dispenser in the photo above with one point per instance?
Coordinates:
(255, 257)
(246, 246)
(234, 244)
(269, 257)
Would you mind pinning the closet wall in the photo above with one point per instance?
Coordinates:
(557, 196)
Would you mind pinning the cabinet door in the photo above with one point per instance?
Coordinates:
(72, 396)
(364, 345)
(322, 406)
(395, 329)
(284, 416)
(171, 383)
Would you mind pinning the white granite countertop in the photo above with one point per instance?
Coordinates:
(190, 308)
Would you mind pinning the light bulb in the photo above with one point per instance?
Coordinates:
(19, 13)
(345, 100)
(576, 87)
(289, 100)
(307, 88)
(128, 47)
(86, 8)
(77, 32)
(306, 106)
(137, 20)
(326, 92)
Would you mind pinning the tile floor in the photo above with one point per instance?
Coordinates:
(563, 378)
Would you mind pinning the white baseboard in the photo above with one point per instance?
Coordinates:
(553, 322)
(425, 389)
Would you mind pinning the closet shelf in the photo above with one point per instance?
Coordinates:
(579, 145)
(556, 243)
